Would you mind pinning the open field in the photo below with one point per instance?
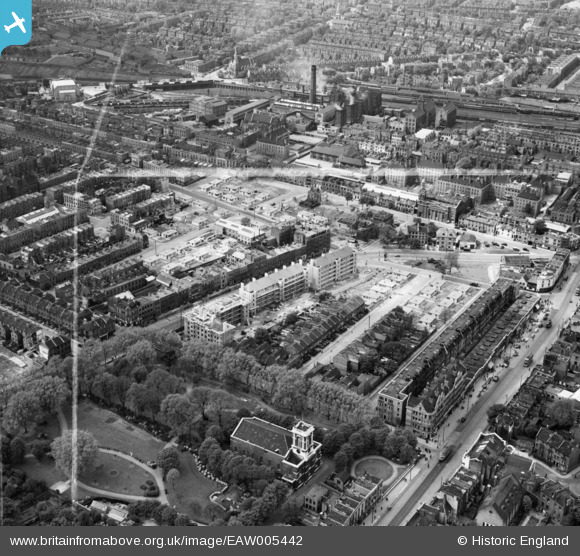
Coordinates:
(111, 431)
(117, 475)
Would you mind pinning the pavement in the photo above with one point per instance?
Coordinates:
(429, 480)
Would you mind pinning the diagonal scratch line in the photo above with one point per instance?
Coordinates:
(75, 365)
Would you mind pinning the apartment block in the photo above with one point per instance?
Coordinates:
(333, 267)
(281, 285)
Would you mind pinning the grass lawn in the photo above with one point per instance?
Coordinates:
(117, 475)
(111, 431)
(192, 486)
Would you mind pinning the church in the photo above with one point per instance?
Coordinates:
(293, 453)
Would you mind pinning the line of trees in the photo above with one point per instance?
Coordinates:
(287, 389)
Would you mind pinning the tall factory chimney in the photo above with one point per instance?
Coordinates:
(313, 85)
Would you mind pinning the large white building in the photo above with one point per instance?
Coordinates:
(64, 90)
(330, 268)
(244, 234)
(215, 320)
(280, 285)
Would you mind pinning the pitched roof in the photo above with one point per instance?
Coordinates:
(263, 434)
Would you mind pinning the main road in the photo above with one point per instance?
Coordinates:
(428, 481)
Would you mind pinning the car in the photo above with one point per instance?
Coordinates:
(515, 249)
(495, 243)
(516, 353)
(486, 244)
(495, 378)
(526, 249)
(541, 325)
(463, 419)
(504, 244)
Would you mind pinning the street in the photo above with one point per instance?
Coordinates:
(429, 479)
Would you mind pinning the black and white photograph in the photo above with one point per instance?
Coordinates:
(302, 263)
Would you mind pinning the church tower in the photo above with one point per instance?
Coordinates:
(302, 439)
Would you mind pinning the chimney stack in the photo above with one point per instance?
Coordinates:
(313, 85)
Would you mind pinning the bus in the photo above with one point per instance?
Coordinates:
(445, 453)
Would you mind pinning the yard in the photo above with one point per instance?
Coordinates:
(112, 431)
(191, 492)
(117, 474)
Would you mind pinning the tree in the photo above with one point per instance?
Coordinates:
(540, 227)
(220, 402)
(141, 399)
(182, 521)
(23, 409)
(216, 432)
(261, 335)
(348, 196)
(387, 233)
(179, 414)
(163, 383)
(341, 460)
(142, 352)
(246, 221)
(167, 459)
(172, 476)
(51, 392)
(333, 442)
(291, 511)
(81, 446)
(168, 516)
(563, 413)
(17, 451)
(527, 503)
(105, 386)
(40, 448)
(494, 411)
(290, 392)
(201, 398)
(451, 260)
(407, 454)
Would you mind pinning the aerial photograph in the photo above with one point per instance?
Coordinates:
(302, 263)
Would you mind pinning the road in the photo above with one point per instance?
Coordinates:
(429, 480)
(194, 194)
(394, 300)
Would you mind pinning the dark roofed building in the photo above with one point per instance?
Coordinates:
(294, 453)
(502, 504)
(557, 451)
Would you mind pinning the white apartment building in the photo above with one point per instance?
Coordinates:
(280, 285)
(330, 268)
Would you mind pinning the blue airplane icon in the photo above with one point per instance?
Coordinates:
(18, 22)
(14, 14)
